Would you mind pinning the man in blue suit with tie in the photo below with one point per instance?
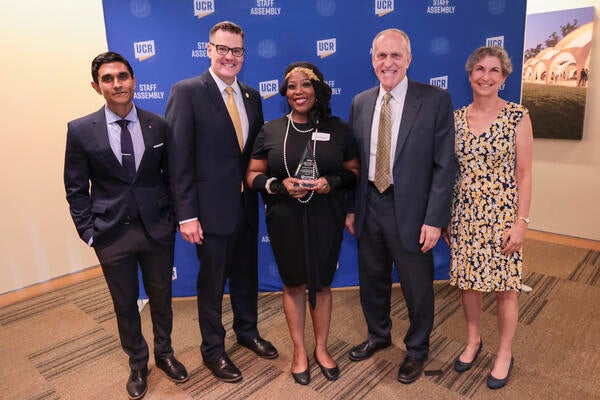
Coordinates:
(215, 119)
(116, 181)
(405, 132)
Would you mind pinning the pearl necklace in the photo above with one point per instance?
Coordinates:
(314, 150)
(294, 125)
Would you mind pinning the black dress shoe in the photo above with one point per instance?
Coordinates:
(460, 366)
(260, 346)
(137, 383)
(303, 378)
(331, 374)
(366, 349)
(224, 370)
(410, 370)
(173, 368)
(495, 383)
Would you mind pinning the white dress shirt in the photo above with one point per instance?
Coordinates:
(397, 106)
(239, 101)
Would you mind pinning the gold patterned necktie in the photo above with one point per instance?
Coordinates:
(235, 116)
(384, 139)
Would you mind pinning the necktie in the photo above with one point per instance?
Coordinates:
(384, 138)
(235, 116)
(127, 154)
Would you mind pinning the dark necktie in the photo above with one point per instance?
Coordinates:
(128, 157)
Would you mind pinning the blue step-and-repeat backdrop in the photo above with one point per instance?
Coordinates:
(166, 41)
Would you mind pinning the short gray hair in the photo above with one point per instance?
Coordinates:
(492, 51)
(392, 30)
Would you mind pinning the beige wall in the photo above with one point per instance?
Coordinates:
(46, 54)
(566, 174)
(45, 69)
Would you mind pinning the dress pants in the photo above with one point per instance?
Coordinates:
(119, 262)
(223, 257)
(379, 245)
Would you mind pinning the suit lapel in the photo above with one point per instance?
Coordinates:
(100, 134)
(368, 124)
(412, 104)
(147, 133)
(217, 98)
(250, 107)
(215, 95)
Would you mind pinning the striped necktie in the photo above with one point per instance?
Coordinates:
(382, 179)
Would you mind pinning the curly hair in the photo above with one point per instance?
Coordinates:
(492, 51)
(321, 109)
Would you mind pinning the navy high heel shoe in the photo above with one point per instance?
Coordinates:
(460, 366)
(495, 383)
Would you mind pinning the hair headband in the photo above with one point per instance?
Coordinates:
(309, 72)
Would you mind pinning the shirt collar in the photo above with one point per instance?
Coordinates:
(112, 117)
(398, 92)
(222, 85)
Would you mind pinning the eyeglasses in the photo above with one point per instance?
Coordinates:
(223, 50)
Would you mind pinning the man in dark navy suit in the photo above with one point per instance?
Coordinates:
(116, 181)
(215, 119)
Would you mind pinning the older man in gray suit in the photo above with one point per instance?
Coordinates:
(405, 131)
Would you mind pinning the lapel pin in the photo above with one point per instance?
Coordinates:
(149, 126)
(247, 95)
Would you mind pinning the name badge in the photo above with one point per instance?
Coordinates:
(321, 136)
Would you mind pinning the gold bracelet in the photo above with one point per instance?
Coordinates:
(527, 220)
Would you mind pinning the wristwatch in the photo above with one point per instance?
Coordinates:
(527, 220)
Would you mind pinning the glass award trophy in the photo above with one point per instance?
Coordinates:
(307, 167)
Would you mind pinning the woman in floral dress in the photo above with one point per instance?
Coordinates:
(490, 209)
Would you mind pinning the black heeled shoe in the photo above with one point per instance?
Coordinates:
(331, 374)
(303, 378)
(495, 383)
(460, 366)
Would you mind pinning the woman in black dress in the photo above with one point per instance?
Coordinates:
(303, 163)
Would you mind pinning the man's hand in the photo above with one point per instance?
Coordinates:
(192, 232)
(429, 237)
(350, 223)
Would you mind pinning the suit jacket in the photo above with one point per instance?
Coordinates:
(101, 212)
(424, 162)
(206, 164)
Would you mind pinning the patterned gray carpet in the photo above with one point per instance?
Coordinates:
(64, 344)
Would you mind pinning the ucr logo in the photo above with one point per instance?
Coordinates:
(202, 8)
(326, 47)
(144, 50)
(383, 7)
(439, 81)
(268, 88)
(497, 41)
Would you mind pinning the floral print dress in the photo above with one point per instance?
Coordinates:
(485, 203)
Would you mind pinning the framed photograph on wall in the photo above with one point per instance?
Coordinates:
(556, 69)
